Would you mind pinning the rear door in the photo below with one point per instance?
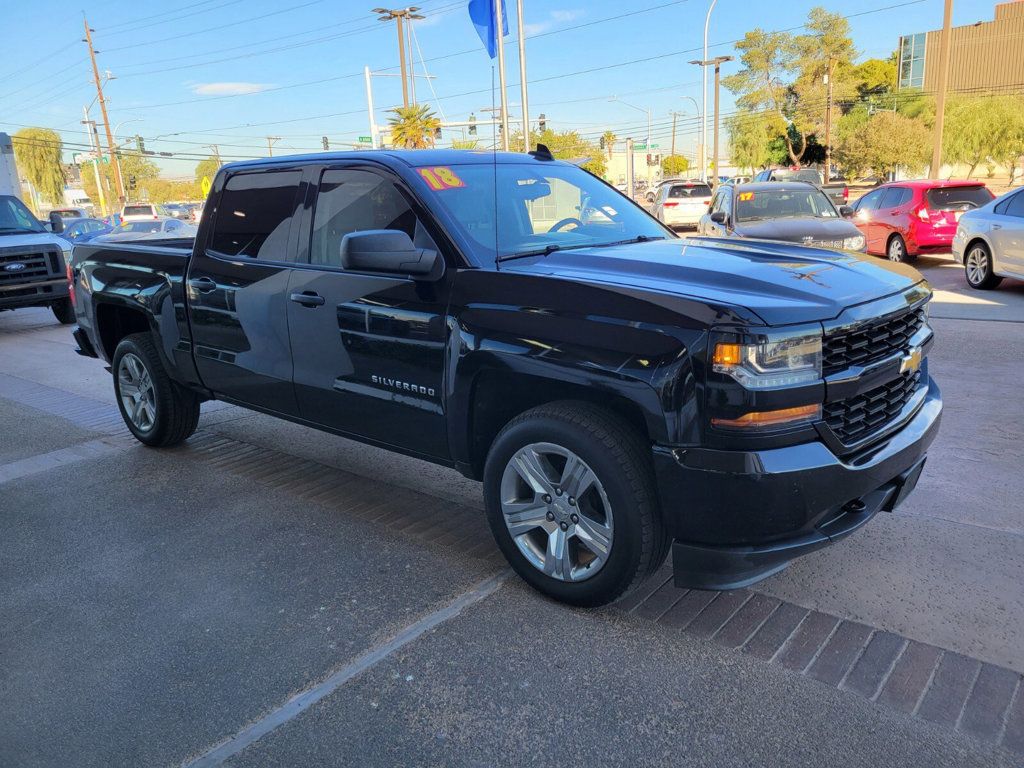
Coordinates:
(237, 284)
(368, 349)
(1007, 234)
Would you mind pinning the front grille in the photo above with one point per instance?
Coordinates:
(39, 265)
(857, 417)
(869, 343)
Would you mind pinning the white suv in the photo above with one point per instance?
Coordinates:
(682, 203)
(143, 211)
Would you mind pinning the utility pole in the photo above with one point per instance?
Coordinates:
(674, 116)
(704, 99)
(94, 144)
(522, 78)
(717, 64)
(118, 184)
(400, 15)
(500, 31)
(828, 120)
(629, 168)
(270, 144)
(369, 107)
(940, 98)
(216, 153)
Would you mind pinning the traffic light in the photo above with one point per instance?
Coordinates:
(542, 122)
(140, 144)
(326, 145)
(650, 157)
(472, 124)
(437, 132)
(131, 182)
(603, 144)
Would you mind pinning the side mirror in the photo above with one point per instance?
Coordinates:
(388, 250)
(56, 223)
(719, 217)
(846, 211)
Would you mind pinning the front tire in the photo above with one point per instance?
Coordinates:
(158, 412)
(572, 503)
(896, 250)
(978, 268)
(64, 311)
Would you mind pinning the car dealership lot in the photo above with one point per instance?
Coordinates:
(151, 620)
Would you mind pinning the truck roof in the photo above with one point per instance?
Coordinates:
(413, 158)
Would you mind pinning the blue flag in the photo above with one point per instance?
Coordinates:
(481, 13)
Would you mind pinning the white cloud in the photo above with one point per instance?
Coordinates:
(228, 89)
(554, 18)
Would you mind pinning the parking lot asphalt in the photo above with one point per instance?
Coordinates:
(167, 607)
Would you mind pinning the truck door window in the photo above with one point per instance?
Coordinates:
(352, 201)
(254, 214)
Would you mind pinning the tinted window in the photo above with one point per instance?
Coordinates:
(690, 190)
(142, 226)
(254, 215)
(138, 210)
(957, 198)
(352, 201)
(870, 200)
(895, 197)
(1015, 206)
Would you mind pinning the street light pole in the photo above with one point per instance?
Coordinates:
(500, 27)
(940, 98)
(646, 111)
(704, 99)
(717, 64)
(400, 15)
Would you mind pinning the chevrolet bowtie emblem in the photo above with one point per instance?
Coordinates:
(911, 363)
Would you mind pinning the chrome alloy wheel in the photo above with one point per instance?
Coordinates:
(557, 511)
(135, 388)
(977, 265)
(896, 250)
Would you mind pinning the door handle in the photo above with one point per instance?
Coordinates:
(308, 299)
(997, 226)
(202, 284)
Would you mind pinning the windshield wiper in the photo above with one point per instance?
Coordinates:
(545, 251)
(637, 239)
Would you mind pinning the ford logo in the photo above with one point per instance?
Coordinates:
(14, 266)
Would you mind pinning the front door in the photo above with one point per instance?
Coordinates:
(864, 218)
(1007, 235)
(368, 349)
(237, 289)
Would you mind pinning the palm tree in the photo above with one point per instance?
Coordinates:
(609, 142)
(413, 127)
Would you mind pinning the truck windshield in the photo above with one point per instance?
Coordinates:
(783, 204)
(513, 209)
(15, 217)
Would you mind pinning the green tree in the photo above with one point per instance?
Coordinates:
(413, 127)
(38, 152)
(674, 165)
(749, 140)
(207, 168)
(464, 143)
(567, 145)
(848, 151)
(1009, 147)
(609, 142)
(886, 141)
(132, 164)
(761, 86)
(875, 76)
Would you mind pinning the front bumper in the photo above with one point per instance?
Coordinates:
(738, 517)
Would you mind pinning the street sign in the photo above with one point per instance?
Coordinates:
(365, 140)
(637, 147)
(205, 185)
(84, 157)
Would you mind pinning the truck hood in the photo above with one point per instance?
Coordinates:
(795, 229)
(33, 240)
(780, 283)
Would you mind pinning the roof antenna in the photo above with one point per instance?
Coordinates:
(541, 153)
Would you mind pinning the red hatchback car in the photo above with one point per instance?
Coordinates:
(905, 218)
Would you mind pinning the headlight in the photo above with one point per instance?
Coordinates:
(774, 361)
(856, 243)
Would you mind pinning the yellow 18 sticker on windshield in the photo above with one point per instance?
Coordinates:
(440, 177)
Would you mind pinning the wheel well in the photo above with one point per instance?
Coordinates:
(498, 397)
(977, 241)
(114, 322)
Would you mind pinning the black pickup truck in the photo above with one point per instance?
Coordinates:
(619, 391)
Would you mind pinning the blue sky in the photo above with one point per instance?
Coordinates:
(232, 72)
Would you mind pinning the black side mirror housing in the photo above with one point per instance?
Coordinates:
(846, 211)
(389, 250)
(719, 217)
(56, 223)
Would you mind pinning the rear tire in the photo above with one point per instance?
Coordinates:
(978, 268)
(158, 411)
(896, 250)
(586, 551)
(64, 311)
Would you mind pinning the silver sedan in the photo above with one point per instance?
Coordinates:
(989, 241)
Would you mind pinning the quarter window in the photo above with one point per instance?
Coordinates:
(254, 215)
(1015, 206)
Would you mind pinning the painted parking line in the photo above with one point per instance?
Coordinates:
(303, 700)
